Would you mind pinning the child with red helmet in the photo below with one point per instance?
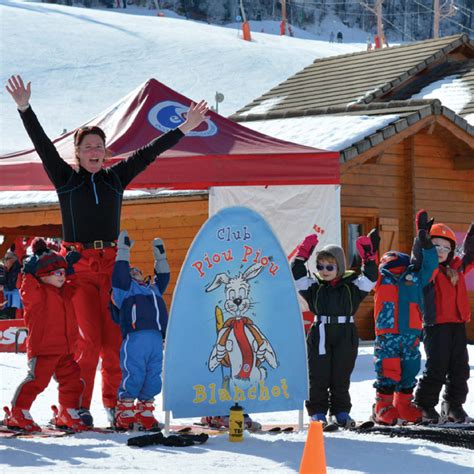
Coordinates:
(46, 292)
(446, 312)
(398, 324)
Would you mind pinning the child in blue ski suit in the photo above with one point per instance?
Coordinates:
(398, 324)
(138, 306)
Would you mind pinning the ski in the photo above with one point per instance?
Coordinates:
(459, 437)
(256, 429)
(7, 432)
(331, 427)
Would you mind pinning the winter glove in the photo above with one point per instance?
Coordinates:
(124, 244)
(159, 253)
(367, 246)
(468, 245)
(31, 264)
(422, 222)
(72, 257)
(306, 248)
(424, 239)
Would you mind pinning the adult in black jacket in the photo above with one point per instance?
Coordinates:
(90, 199)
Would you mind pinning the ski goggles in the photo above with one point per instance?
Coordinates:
(329, 268)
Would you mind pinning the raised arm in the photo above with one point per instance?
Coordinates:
(141, 158)
(57, 169)
(468, 251)
(298, 268)
(161, 267)
(121, 279)
(368, 248)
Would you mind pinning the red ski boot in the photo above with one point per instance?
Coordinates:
(383, 412)
(21, 419)
(68, 418)
(125, 414)
(145, 416)
(407, 410)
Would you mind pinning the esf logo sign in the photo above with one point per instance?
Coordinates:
(167, 115)
(7, 336)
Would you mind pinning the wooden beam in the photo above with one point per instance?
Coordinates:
(381, 147)
(456, 131)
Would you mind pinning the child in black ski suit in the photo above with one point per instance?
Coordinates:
(334, 297)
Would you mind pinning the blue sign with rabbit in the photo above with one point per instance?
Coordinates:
(235, 332)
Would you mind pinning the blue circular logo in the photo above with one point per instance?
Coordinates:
(168, 114)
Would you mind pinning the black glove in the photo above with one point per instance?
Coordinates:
(375, 238)
(31, 265)
(468, 244)
(72, 257)
(425, 240)
(178, 440)
(422, 221)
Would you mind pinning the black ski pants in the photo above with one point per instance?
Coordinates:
(447, 363)
(330, 373)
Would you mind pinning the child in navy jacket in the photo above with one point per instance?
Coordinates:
(139, 308)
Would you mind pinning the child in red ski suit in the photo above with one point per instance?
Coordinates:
(446, 312)
(52, 336)
(397, 304)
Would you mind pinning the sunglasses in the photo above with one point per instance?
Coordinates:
(442, 249)
(329, 268)
(59, 273)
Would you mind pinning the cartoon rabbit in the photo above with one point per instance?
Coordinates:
(240, 344)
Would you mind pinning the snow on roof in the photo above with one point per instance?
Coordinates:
(42, 198)
(329, 132)
(469, 119)
(453, 93)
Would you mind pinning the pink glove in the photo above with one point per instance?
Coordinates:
(305, 249)
(365, 248)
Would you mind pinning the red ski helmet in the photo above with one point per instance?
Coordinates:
(444, 232)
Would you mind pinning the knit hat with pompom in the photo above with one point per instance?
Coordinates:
(48, 260)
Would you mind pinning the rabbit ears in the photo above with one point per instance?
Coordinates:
(223, 278)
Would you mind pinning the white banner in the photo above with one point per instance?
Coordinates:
(292, 211)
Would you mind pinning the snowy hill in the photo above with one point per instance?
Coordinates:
(80, 61)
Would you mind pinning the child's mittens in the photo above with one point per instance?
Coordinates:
(367, 246)
(306, 248)
(72, 257)
(124, 244)
(159, 253)
(468, 244)
(425, 239)
(31, 265)
(422, 221)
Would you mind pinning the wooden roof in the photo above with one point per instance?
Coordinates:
(387, 74)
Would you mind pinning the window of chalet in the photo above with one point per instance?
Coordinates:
(356, 222)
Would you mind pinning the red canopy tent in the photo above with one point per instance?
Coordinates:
(218, 153)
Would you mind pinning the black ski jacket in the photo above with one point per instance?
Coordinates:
(91, 203)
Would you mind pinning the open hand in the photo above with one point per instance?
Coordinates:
(20, 94)
(195, 116)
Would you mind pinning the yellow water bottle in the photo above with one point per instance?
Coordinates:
(236, 423)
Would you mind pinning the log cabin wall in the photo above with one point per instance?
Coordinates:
(389, 189)
(176, 220)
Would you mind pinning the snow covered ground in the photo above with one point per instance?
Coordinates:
(345, 452)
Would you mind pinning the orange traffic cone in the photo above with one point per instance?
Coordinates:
(314, 459)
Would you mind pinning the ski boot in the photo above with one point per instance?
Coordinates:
(429, 415)
(344, 420)
(320, 417)
(21, 419)
(125, 415)
(217, 422)
(407, 410)
(86, 417)
(67, 418)
(383, 411)
(144, 416)
(250, 424)
(454, 413)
